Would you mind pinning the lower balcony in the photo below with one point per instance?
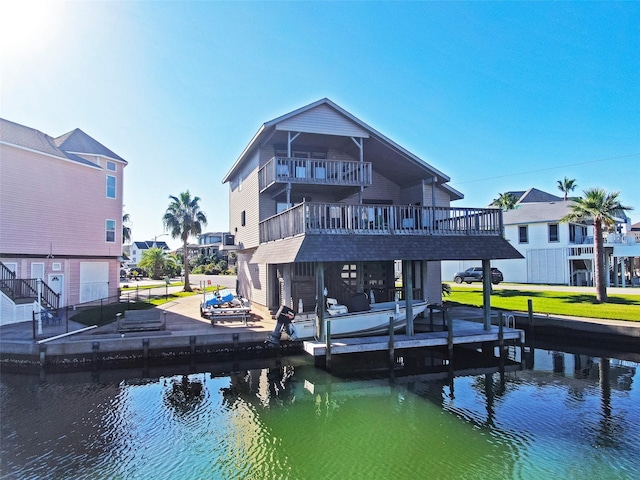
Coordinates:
(343, 219)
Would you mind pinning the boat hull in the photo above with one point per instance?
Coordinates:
(360, 324)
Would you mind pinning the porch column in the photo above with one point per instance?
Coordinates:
(288, 300)
(320, 299)
(623, 271)
(407, 266)
(486, 293)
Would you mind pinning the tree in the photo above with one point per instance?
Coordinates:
(157, 261)
(601, 207)
(126, 229)
(184, 218)
(506, 201)
(567, 186)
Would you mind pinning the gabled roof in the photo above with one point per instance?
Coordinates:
(66, 146)
(149, 244)
(344, 123)
(77, 141)
(533, 195)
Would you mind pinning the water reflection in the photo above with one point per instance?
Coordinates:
(571, 415)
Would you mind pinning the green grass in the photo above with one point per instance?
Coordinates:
(619, 307)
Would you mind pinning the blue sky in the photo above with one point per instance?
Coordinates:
(499, 96)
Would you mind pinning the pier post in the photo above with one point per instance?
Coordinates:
(392, 347)
(327, 361)
(501, 331)
(449, 334)
(145, 349)
(530, 310)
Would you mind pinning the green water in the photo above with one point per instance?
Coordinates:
(564, 416)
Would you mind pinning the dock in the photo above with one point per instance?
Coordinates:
(462, 332)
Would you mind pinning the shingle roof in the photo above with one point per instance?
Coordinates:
(347, 248)
(537, 212)
(65, 146)
(79, 142)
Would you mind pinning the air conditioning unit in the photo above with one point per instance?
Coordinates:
(229, 239)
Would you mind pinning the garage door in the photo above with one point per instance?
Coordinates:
(94, 281)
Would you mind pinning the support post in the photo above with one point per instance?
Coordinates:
(530, 310)
(392, 347)
(320, 305)
(486, 293)
(327, 361)
(408, 295)
(449, 335)
(501, 331)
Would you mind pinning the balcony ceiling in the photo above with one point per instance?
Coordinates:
(387, 161)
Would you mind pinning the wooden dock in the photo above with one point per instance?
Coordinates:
(463, 332)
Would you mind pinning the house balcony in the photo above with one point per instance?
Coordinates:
(307, 172)
(344, 219)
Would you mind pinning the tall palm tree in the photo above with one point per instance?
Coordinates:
(506, 201)
(184, 218)
(567, 186)
(601, 207)
(126, 229)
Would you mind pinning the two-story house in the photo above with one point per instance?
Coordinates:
(318, 199)
(557, 252)
(138, 248)
(60, 220)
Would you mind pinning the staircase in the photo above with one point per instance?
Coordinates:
(20, 290)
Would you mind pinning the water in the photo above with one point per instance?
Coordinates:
(561, 416)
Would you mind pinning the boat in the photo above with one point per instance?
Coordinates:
(223, 300)
(374, 321)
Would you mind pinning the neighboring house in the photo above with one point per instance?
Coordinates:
(320, 199)
(60, 220)
(136, 250)
(555, 252)
(213, 244)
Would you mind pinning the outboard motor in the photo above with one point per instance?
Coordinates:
(284, 317)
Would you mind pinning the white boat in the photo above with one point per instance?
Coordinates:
(357, 324)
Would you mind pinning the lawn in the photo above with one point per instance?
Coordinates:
(619, 307)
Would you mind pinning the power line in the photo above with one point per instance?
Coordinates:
(550, 168)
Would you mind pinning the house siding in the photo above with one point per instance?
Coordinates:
(322, 120)
(67, 214)
(244, 196)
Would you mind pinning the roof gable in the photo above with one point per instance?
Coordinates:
(321, 119)
(77, 141)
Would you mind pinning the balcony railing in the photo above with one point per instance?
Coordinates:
(337, 218)
(314, 171)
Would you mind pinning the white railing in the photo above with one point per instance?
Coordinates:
(318, 171)
(338, 218)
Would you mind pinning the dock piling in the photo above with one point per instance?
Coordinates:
(328, 346)
(392, 353)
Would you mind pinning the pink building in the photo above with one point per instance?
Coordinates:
(60, 220)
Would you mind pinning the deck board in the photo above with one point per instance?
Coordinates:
(464, 332)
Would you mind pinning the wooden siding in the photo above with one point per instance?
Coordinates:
(322, 120)
(51, 206)
(244, 196)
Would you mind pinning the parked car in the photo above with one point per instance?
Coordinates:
(474, 274)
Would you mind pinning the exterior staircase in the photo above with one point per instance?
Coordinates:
(21, 290)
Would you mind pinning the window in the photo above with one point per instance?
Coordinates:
(111, 166)
(553, 233)
(243, 218)
(523, 234)
(111, 186)
(111, 231)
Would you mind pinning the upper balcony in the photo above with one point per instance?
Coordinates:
(310, 172)
(337, 218)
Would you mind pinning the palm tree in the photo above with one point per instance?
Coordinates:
(506, 201)
(567, 186)
(126, 229)
(183, 218)
(601, 207)
(155, 260)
